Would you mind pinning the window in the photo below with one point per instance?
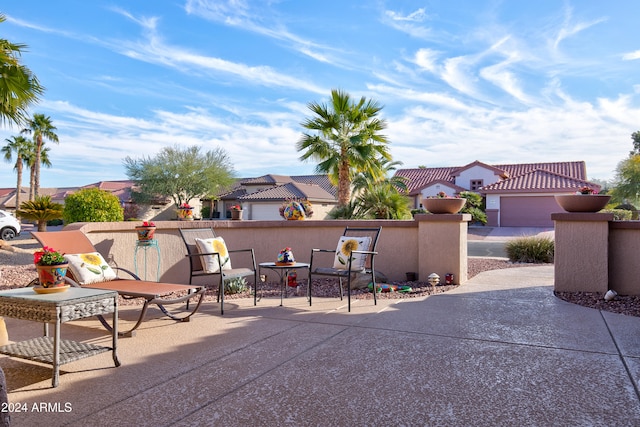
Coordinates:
(476, 184)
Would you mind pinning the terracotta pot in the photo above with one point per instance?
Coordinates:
(444, 206)
(582, 202)
(51, 276)
(236, 214)
(145, 234)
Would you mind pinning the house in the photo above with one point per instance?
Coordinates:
(517, 195)
(262, 197)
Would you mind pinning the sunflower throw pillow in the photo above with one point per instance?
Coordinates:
(211, 246)
(90, 268)
(345, 246)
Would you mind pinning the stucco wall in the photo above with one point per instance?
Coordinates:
(593, 253)
(399, 245)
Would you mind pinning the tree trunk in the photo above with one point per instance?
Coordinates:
(42, 225)
(36, 181)
(32, 179)
(19, 183)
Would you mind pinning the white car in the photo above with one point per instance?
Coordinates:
(9, 226)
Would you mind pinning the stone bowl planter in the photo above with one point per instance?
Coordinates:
(582, 202)
(444, 206)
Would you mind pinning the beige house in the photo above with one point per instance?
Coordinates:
(261, 197)
(517, 195)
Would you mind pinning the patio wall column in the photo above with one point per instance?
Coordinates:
(442, 246)
(581, 261)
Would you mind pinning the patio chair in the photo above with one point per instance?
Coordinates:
(354, 254)
(74, 244)
(208, 256)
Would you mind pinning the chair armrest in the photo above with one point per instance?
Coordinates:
(130, 273)
(323, 250)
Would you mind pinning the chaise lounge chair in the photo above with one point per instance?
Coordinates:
(76, 242)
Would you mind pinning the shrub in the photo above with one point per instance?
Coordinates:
(474, 207)
(621, 214)
(530, 249)
(235, 286)
(41, 210)
(627, 207)
(92, 205)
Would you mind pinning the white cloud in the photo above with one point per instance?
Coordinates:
(630, 56)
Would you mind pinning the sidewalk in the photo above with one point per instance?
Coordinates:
(499, 350)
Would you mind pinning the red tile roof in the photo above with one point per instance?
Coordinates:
(524, 177)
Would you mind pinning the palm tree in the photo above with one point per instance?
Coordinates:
(347, 140)
(384, 202)
(41, 210)
(41, 128)
(19, 87)
(21, 147)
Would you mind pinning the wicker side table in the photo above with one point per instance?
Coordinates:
(75, 303)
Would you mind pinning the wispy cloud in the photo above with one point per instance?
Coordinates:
(256, 18)
(411, 23)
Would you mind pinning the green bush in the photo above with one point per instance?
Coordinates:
(621, 214)
(530, 249)
(474, 206)
(235, 286)
(92, 205)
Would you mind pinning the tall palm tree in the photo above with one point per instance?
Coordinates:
(346, 140)
(30, 160)
(19, 87)
(41, 128)
(21, 147)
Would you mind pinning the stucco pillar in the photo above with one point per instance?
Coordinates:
(581, 261)
(442, 246)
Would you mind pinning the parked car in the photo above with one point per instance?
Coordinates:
(9, 226)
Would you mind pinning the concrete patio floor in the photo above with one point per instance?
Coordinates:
(499, 350)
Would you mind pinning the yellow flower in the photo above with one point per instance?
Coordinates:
(91, 259)
(220, 248)
(348, 246)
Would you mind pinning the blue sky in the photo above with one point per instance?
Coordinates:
(495, 81)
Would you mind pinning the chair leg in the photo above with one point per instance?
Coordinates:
(341, 289)
(349, 291)
(221, 295)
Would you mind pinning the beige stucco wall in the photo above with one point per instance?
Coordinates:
(624, 257)
(397, 246)
(593, 253)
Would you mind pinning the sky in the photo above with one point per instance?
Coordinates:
(496, 81)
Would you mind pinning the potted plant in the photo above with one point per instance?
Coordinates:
(51, 266)
(185, 212)
(146, 231)
(443, 204)
(586, 199)
(296, 209)
(236, 212)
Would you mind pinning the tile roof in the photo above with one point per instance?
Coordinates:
(522, 177)
(537, 181)
(290, 190)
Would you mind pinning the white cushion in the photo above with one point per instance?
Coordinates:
(210, 262)
(90, 268)
(345, 246)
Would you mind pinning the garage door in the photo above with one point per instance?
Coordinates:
(527, 211)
